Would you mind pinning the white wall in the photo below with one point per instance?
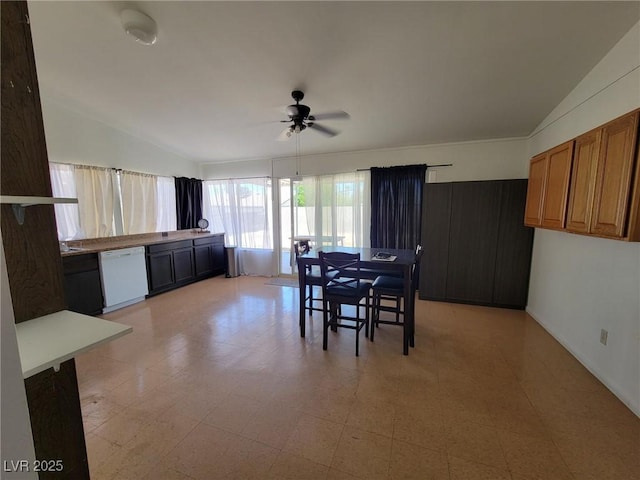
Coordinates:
(481, 160)
(582, 284)
(75, 138)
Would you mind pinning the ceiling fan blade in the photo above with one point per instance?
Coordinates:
(322, 129)
(331, 116)
(285, 135)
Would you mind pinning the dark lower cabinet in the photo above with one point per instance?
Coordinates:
(174, 264)
(477, 249)
(202, 257)
(209, 255)
(82, 285)
(183, 265)
(160, 271)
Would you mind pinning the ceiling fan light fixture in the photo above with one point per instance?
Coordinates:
(140, 26)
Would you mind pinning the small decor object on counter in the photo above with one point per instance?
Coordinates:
(203, 223)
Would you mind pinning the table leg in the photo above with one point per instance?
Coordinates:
(408, 312)
(302, 280)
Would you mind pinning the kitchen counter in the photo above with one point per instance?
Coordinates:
(96, 245)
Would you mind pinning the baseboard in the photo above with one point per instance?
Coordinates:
(594, 371)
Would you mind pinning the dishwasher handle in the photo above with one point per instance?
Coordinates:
(124, 252)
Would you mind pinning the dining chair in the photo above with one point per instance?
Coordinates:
(387, 288)
(342, 285)
(313, 279)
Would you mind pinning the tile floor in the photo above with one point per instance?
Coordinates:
(215, 383)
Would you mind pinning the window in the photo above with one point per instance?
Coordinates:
(242, 209)
(111, 202)
(334, 209)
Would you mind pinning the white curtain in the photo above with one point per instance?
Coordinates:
(167, 218)
(139, 202)
(242, 209)
(94, 186)
(67, 216)
(337, 209)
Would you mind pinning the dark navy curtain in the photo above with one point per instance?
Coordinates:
(188, 202)
(396, 206)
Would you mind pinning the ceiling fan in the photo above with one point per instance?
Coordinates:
(300, 119)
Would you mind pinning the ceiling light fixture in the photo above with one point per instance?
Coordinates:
(140, 26)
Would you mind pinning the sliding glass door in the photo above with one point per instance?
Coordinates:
(328, 210)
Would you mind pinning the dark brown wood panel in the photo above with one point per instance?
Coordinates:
(33, 260)
(515, 242)
(436, 217)
(54, 407)
(25, 168)
(475, 208)
(34, 265)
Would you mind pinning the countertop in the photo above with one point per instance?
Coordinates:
(96, 245)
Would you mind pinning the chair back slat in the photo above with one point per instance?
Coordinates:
(340, 272)
(416, 267)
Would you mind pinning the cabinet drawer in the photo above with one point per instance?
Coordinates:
(80, 263)
(163, 247)
(214, 240)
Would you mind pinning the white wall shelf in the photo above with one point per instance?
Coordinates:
(20, 202)
(47, 341)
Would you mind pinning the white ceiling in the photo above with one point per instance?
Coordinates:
(214, 86)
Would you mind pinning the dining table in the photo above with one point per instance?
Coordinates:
(371, 266)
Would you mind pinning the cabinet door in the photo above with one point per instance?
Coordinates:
(475, 214)
(613, 180)
(583, 180)
(82, 285)
(535, 191)
(556, 190)
(160, 270)
(183, 265)
(515, 241)
(436, 215)
(217, 255)
(203, 260)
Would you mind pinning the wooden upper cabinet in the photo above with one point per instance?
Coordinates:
(557, 186)
(614, 176)
(548, 188)
(535, 191)
(594, 180)
(583, 181)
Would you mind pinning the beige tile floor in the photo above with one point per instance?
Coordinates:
(216, 383)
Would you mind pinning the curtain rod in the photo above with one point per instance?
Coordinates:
(238, 178)
(427, 165)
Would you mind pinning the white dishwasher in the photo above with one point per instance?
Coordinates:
(124, 277)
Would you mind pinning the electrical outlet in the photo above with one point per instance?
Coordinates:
(603, 336)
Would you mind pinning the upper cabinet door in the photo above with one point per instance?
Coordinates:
(583, 181)
(535, 191)
(556, 191)
(613, 179)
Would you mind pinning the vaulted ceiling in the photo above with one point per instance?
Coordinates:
(215, 85)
